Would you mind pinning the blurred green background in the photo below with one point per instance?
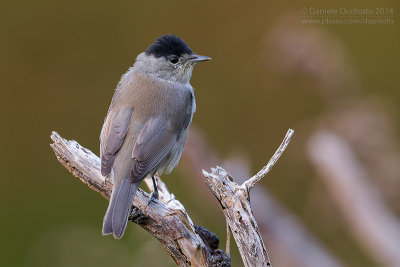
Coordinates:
(61, 60)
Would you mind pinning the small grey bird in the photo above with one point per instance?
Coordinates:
(147, 124)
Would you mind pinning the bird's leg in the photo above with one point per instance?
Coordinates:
(154, 195)
(107, 180)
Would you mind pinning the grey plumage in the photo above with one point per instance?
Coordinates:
(146, 126)
(118, 210)
(115, 138)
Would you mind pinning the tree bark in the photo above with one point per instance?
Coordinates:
(167, 220)
(235, 202)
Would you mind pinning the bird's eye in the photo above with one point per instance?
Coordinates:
(174, 60)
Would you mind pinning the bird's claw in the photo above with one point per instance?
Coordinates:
(106, 181)
(154, 196)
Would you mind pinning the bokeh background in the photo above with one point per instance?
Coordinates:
(332, 199)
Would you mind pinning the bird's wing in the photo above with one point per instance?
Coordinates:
(153, 144)
(112, 136)
(187, 112)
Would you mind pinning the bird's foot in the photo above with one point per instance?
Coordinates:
(107, 180)
(154, 196)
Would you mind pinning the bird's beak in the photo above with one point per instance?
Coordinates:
(198, 58)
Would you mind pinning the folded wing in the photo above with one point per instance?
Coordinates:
(153, 145)
(112, 137)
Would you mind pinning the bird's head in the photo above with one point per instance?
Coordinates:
(169, 58)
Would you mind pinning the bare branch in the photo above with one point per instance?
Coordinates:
(164, 195)
(250, 183)
(236, 207)
(228, 240)
(291, 243)
(167, 220)
(235, 203)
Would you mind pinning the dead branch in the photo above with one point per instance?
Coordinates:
(166, 219)
(250, 183)
(293, 243)
(235, 202)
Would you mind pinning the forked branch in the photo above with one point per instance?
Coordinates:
(166, 218)
(235, 202)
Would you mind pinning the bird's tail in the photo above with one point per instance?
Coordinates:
(119, 208)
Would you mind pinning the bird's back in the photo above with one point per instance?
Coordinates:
(150, 97)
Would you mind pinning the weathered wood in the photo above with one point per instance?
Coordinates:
(251, 182)
(236, 208)
(166, 219)
(235, 202)
(288, 241)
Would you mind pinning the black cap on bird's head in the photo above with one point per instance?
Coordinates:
(167, 45)
(169, 58)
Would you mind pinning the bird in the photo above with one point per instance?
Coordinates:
(147, 124)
